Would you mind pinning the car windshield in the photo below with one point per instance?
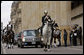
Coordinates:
(29, 33)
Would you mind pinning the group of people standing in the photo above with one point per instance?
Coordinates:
(76, 33)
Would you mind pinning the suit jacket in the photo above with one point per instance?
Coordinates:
(65, 35)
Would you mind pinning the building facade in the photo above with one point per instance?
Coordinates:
(15, 16)
(28, 14)
(1, 28)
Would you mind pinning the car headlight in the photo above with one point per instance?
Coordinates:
(42, 39)
(23, 39)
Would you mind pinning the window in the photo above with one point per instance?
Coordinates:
(29, 33)
(74, 4)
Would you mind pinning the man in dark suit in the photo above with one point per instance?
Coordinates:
(65, 37)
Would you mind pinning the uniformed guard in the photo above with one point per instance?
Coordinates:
(45, 18)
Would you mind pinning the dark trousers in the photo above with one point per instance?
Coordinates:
(51, 40)
(65, 43)
(42, 29)
(70, 40)
(80, 40)
(75, 41)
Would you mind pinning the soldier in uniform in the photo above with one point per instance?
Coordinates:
(45, 18)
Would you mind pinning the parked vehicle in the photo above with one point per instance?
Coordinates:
(29, 37)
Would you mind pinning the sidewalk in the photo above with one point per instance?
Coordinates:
(79, 47)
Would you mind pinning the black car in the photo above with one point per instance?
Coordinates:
(29, 37)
